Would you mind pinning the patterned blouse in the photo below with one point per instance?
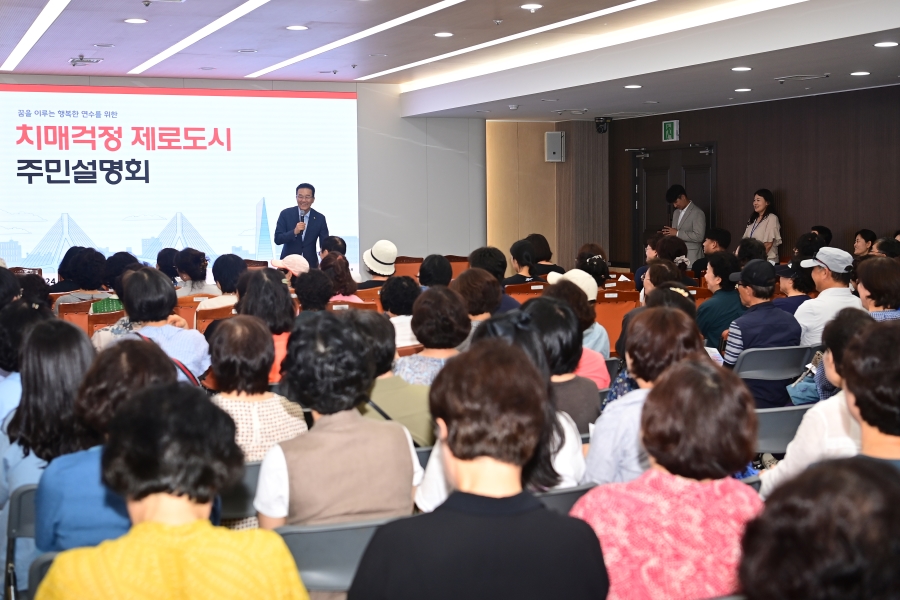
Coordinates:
(417, 369)
(261, 425)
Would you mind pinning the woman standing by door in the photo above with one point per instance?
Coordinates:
(764, 225)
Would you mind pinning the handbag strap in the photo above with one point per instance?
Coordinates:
(178, 364)
(380, 411)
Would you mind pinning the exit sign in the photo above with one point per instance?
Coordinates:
(670, 131)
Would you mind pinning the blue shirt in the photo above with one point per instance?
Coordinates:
(73, 506)
(10, 393)
(616, 454)
(507, 303)
(596, 339)
(791, 303)
(885, 315)
(187, 345)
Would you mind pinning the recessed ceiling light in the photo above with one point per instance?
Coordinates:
(741, 69)
(885, 44)
(743, 90)
(632, 87)
(549, 99)
(443, 34)
(297, 27)
(483, 111)
(532, 7)
(247, 51)
(135, 21)
(860, 73)
(650, 102)
(207, 68)
(379, 55)
(104, 46)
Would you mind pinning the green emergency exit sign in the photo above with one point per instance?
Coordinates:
(670, 131)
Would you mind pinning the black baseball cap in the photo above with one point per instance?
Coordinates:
(756, 272)
(787, 271)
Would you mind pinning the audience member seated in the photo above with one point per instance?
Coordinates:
(763, 325)
(10, 287)
(107, 335)
(338, 270)
(313, 289)
(823, 232)
(115, 266)
(149, 300)
(379, 262)
(807, 245)
(657, 338)
(191, 266)
(170, 450)
(87, 272)
(481, 294)
(54, 358)
(579, 290)
(649, 254)
(34, 289)
(879, 287)
(66, 271)
(658, 272)
(332, 244)
(435, 270)
(560, 336)
(440, 323)
(493, 261)
(886, 246)
(716, 313)
(863, 241)
(391, 398)
(269, 299)
(165, 262)
(674, 249)
(242, 355)
(847, 511)
(591, 259)
(490, 539)
(226, 271)
(750, 249)
(73, 506)
(398, 294)
(523, 261)
(675, 531)
(896, 235)
(831, 269)
(764, 224)
(15, 319)
(558, 460)
(346, 468)
(827, 429)
(542, 256)
(796, 283)
(716, 240)
(293, 266)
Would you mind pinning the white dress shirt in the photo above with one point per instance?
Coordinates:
(814, 314)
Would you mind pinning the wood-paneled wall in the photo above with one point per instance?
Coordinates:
(831, 160)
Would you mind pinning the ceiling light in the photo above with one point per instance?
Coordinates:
(513, 107)
(632, 87)
(680, 22)
(229, 17)
(743, 90)
(443, 34)
(358, 36)
(515, 36)
(40, 25)
(549, 99)
(532, 7)
(741, 69)
(860, 73)
(483, 111)
(104, 46)
(651, 102)
(379, 55)
(207, 68)
(247, 51)
(297, 27)
(885, 44)
(136, 21)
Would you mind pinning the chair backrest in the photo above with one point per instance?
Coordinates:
(207, 316)
(408, 266)
(458, 264)
(186, 308)
(563, 500)
(371, 295)
(256, 264)
(38, 570)
(27, 271)
(753, 481)
(700, 294)
(611, 308)
(352, 306)
(76, 313)
(523, 292)
(613, 365)
(21, 512)
(772, 364)
(778, 426)
(237, 501)
(424, 454)
(99, 321)
(327, 556)
(615, 285)
(410, 350)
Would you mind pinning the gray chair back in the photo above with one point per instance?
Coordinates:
(237, 501)
(563, 500)
(753, 481)
(424, 454)
(777, 427)
(772, 364)
(38, 570)
(20, 525)
(327, 556)
(613, 365)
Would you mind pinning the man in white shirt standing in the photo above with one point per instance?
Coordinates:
(688, 222)
(831, 272)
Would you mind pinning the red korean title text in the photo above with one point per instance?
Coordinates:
(62, 137)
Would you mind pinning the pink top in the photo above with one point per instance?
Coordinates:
(670, 537)
(342, 298)
(593, 366)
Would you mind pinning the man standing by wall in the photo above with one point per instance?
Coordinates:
(299, 228)
(688, 222)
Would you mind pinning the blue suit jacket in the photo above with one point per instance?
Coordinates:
(316, 229)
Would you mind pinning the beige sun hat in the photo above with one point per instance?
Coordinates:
(381, 257)
(580, 278)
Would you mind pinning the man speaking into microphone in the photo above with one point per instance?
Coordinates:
(300, 227)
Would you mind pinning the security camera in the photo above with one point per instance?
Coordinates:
(146, 3)
(602, 124)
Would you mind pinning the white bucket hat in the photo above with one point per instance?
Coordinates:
(580, 278)
(381, 257)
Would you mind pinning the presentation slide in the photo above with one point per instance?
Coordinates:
(141, 169)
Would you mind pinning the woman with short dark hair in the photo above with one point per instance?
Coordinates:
(715, 315)
(863, 241)
(435, 270)
(750, 249)
(170, 451)
(165, 262)
(268, 297)
(878, 285)
(490, 539)
(591, 259)
(338, 270)
(313, 289)
(87, 271)
(523, 261)
(543, 254)
(398, 295)
(191, 265)
(481, 292)
(440, 323)
(847, 511)
(649, 254)
(65, 278)
(227, 270)
(698, 426)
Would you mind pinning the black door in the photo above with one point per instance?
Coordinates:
(655, 170)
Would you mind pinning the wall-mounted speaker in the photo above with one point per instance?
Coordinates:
(555, 146)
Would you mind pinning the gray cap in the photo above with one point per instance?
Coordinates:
(833, 259)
